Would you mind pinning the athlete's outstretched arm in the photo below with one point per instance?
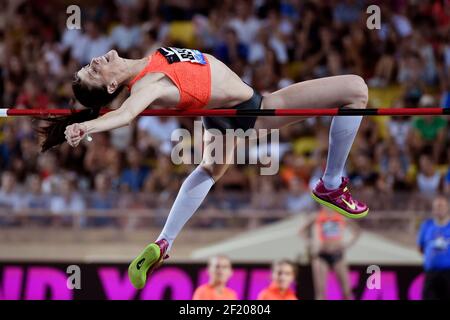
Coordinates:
(128, 111)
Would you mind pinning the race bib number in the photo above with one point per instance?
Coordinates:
(182, 55)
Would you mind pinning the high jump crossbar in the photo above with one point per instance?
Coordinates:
(14, 112)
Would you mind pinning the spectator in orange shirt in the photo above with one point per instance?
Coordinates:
(283, 276)
(219, 271)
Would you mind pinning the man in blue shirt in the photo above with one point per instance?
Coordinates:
(434, 242)
(135, 173)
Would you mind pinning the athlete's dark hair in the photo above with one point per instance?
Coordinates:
(93, 98)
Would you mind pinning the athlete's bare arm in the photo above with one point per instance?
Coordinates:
(137, 102)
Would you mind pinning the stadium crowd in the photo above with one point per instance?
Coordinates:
(270, 44)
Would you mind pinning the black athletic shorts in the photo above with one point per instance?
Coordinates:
(244, 123)
(331, 258)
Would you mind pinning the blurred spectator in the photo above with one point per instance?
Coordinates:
(283, 277)
(67, 202)
(298, 198)
(150, 42)
(33, 96)
(219, 272)
(10, 199)
(9, 146)
(245, 23)
(394, 171)
(347, 11)
(35, 198)
(429, 132)
(231, 49)
(102, 199)
(135, 173)
(49, 171)
(433, 241)
(429, 179)
(92, 43)
(99, 153)
(156, 132)
(127, 34)
(363, 174)
(401, 22)
(163, 183)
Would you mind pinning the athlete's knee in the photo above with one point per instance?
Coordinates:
(214, 170)
(359, 92)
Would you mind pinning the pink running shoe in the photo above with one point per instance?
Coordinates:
(339, 200)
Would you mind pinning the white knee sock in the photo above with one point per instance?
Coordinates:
(342, 134)
(191, 195)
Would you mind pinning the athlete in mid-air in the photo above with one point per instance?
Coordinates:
(189, 79)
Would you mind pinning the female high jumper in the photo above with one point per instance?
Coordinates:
(190, 79)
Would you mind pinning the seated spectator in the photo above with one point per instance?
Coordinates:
(10, 199)
(447, 177)
(67, 202)
(162, 183)
(394, 166)
(150, 42)
(266, 47)
(298, 198)
(127, 34)
(93, 43)
(99, 153)
(385, 67)
(245, 23)
(263, 190)
(429, 179)
(9, 146)
(102, 199)
(347, 11)
(49, 171)
(399, 130)
(363, 174)
(219, 271)
(156, 132)
(394, 176)
(34, 197)
(35, 200)
(33, 96)
(429, 132)
(230, 49)
(283, 277)
(135, 172)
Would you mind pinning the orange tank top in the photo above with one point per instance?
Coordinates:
(330, 227)
(272, 292)
(188, 69)
(208, 292)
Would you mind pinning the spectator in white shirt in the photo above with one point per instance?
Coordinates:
(156, 132)
(245, 23)
(127, 34)
(92, 44)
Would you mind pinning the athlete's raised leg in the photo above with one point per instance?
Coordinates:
(341, 91)
(194, 190)
(191, 195)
